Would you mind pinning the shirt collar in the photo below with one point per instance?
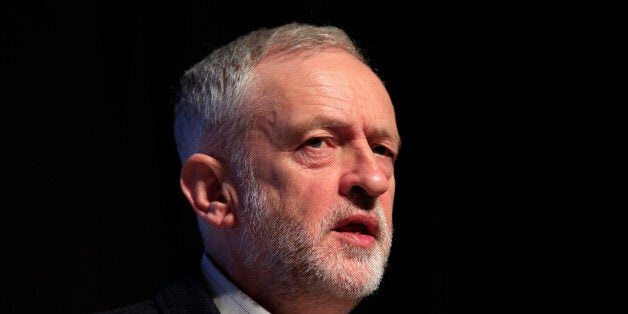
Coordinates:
(227, 297)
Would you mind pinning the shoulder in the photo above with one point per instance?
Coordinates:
(182, 294)
(188, 293)
(140, 307)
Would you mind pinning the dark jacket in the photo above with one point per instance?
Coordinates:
(187, 294)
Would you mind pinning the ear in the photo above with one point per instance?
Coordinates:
(203, 184)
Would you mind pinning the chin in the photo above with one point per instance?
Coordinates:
(357, 272)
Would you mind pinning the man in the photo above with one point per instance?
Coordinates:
(288, 141)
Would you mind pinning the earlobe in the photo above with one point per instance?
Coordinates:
(203, 184)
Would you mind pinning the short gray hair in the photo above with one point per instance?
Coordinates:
(210, 115)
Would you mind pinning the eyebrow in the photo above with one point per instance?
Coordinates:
(295, 130)
(381, 133)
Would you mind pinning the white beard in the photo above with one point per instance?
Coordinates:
(291, 251)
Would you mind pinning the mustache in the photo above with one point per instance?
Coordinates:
(359, 198)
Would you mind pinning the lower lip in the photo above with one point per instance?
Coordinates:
(361, 240)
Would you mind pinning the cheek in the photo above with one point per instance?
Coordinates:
(298, 191)
(270, 173)
(315, 196)
(311, 194)
(388, 212)
(388, 203)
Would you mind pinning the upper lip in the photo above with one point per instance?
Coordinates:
(369, 223)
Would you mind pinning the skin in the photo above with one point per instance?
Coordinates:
(324, 154)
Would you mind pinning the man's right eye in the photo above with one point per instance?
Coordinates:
(315, 142)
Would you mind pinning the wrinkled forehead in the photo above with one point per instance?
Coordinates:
(330, 71)
(331, 82)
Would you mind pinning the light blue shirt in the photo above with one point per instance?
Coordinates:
(227, 297)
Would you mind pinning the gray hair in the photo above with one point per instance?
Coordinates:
(210, 115)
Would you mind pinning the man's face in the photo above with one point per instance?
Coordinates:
(320, 218)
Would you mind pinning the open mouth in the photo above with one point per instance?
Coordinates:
(359, 225)
(353, 228)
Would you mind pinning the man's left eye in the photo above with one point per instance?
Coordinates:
(381, 150)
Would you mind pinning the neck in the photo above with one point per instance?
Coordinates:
(282, 303)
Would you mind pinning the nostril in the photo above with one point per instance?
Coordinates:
(357, 191)
(360, 198)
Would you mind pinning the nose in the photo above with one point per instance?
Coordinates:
(365, 174)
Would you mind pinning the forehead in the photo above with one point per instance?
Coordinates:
(331, 66)
(328, 82)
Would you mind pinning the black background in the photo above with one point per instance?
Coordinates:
(92, 214)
